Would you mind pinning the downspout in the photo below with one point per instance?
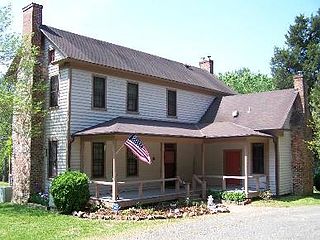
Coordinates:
(69, 136)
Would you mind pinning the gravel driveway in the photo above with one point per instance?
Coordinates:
(242, 223)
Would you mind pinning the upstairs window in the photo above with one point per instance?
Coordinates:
(132, 164)
(54, 91)
(51, 55)
(132, 97)
(98, 160)
(258, 158)
(53, 159)
(172, 103)
(99, 92)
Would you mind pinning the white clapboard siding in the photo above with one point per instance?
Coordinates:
(272, 167)
(152, 102)
(56, 119)
(285, 164)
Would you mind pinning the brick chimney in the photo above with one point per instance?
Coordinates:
(302, 161)
(301, 87)
(207, 64)
(32, 19)
(27, 150)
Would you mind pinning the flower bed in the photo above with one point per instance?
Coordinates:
(159, 211)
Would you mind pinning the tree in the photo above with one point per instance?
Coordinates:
(19, 102)
(302, 53)
(245, 81)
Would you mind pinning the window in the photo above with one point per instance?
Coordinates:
(53, 152)
(98, 160)
(132, 164)
(258, 158)
(54, 91)
(172, 103)
(51, 55)
(99, 92)
(132, 97)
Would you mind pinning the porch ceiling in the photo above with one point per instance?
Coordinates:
(122, 125)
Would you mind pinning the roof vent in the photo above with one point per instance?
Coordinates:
(235, 113)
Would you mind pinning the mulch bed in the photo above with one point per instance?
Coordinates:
(158, 211)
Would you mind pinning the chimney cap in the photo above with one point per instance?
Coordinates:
(32, 5)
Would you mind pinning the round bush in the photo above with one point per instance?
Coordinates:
(316, 181)
(70, 191)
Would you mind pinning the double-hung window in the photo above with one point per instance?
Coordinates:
(98, 159)
(132, 97)
(171, 103)
(54, 91)
(132, 164)
(53, 157)
(99, 92)
(258, 158)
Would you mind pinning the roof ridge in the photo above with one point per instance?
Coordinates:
(103, 41)
(266, 92)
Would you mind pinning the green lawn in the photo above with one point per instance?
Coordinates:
(4, 184)
(21, 222)
(290, 201)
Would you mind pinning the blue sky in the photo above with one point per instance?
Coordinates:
(235, 33)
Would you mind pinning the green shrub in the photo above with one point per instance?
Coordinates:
(216, 194)
(40, 198)
(234, 196)
(316, 181)
(70, 191)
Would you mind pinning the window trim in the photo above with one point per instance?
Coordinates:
(105, 93)
(167, 98)
(51, 55)
(51, 92)
(137, 160)
(263, 158)
(132, 111)
(92, 160)
(49, 173)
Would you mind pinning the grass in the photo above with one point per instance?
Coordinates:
(22, 222)
(290, 201)
(4, 184)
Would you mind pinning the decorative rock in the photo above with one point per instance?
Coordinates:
(185, 214)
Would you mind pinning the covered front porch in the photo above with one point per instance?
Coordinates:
(183, 166)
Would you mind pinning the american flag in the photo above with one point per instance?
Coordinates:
(137, 148)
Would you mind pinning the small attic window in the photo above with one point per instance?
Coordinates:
(188, 66)
(235, 113)
(51, 55)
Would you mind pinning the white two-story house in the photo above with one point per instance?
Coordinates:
(200, 134)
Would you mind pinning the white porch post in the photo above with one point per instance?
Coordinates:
(246, 180)
(162, 167)
(114, 172)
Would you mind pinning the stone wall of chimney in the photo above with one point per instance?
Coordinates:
(27, 158)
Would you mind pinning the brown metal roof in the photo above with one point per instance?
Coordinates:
(258, 111)
(122, 125)
(94, 51)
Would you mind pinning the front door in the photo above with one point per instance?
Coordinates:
(232, 166)
(170, 161)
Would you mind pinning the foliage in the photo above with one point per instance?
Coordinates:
(40, 198)
(4, 184)
(22, 222)
(316, 181)
(234, 196)
(70, 191)
(315, 123)
(216, 194)
(266, 195)
(300, 53)
(245, 81)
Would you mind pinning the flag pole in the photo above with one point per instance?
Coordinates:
(119, 148)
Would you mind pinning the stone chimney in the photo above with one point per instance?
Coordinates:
(27, 149)
(207, 64)
(302, 161)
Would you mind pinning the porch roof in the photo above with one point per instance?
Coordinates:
(121, 125)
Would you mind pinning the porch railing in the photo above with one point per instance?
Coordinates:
(142, 183)
(257, 179)
(197, 181)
